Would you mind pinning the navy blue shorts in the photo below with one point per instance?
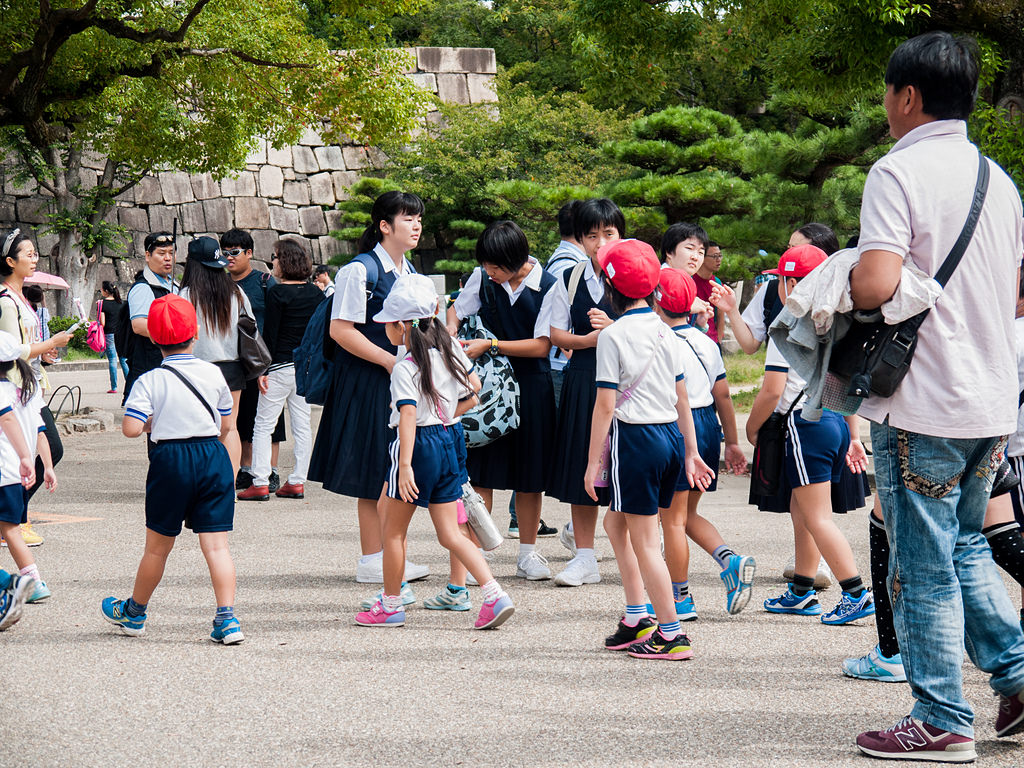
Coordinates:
(459, 441)
(435, 467)
(816, 451)
(709, 445)
(1017, 494)
(13, 504)
(646, 462)
(190, 482)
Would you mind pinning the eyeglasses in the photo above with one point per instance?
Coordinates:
(233, 251)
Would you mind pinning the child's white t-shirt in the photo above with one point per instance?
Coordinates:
(774, 361)
(704, 365)
(405, 389)
(176, 411)
(624, 349)
(31, 424)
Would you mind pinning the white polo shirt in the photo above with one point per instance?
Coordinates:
(774, 361)
(704, 364)
(560, 308)
(468, 301)
(624, 349)
(963, 379)
(176, 412)
(753, 314)
(405, 390)
(31, 424)
(350, 289)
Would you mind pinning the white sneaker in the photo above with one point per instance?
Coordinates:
(822, 579)
(578, 571)
(471, 580)
(568, 539)
(533, 567)
(373, 571)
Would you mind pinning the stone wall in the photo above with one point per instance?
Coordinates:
(291, 191)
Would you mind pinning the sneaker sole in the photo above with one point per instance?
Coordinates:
(546, 535)
(513, 534)
(127, 630)
(593, 578)
(521, 574)
(848, 619)
(1013, 728)
(796, 611)
(232, 639)
(935, 757)
(34, 600)
(290, 495)
(499, 618)
(643, 633)
(391, 624)
(253, 498)
(744, 591)
(674, 656)
(17, 604)
(33, 544)
(874, 678)
(448, 607)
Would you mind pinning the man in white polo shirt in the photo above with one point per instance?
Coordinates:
(938, 440)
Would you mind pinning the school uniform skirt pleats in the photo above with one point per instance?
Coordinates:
(572, 438)
(848, 494)
(350, 455)
(519, 461)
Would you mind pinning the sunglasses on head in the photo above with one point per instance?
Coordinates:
(163, 240)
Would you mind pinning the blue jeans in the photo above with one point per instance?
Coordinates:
(112, 361)
(945, 589)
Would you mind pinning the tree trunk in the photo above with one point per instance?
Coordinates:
(74, 265)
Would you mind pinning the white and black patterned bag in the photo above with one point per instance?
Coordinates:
(498, 411)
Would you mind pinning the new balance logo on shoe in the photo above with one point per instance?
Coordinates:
(911, 738)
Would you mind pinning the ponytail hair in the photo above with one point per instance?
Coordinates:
(109, 287)
(386, 208)
(427, 334)
(28, 378)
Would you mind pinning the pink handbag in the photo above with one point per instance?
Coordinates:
(94, 336)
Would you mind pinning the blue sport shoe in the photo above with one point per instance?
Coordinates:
(787, 602)
(114, 612)
(875, 666)
(738, 578)
(850, 608)
(446, 600)
(686, 609)
(228, 633)
(41, 592)
(408, 597)
(12, 598)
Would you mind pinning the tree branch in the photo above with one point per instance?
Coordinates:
(117, 28)
(242, 56)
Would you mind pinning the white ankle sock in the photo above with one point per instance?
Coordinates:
(391, 603)
(525, 549)
(584, 553)
(365, 559)
(490, 591)
(31, 570)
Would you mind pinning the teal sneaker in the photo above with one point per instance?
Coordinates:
(114, 612)
(41, 592)
(408, 597)
(686, 609)
(12, 598)
(228, 633)
(875, 666)
(446, 600)
(738, 577)
(787, 602)
(850, 608)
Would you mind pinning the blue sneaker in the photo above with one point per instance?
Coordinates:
(41, 592)
(850, 608)
(408, 597)
(738, 578)
(446, 600)
(875, 666)
(787, 602)
(12, 599)
(114, 612)
(229, 632)
(686, 610)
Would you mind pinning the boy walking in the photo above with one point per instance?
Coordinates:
(181, 404)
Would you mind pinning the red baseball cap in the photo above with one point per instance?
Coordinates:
(677, 291)
(172, 320)
(632, 266)
(798, 261)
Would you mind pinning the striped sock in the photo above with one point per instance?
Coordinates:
(224, 613)
(391, 603)
(680, 590)
(670, 631)
(722, 555)
(31, 570)
(490, 591)
(633, 614)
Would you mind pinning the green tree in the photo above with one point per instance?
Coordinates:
(190, 85)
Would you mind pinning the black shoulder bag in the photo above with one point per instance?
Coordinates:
(767, 467)
(873, 356)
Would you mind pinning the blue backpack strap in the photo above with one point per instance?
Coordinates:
(370, 264)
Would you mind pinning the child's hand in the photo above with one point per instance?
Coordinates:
(407, 485)
(476, 347)
(263, 383)
(453, 329)
(589, 477)
(698, 474)
(735, 461)
(599, 319)
(723, 297)
(50, 479)
(857, 457)
(27, 469)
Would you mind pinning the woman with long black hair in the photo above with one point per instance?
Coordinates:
(110, 310)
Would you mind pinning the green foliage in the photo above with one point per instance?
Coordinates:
(58, 324)
(1001, 135)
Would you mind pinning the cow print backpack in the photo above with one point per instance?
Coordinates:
(498, 411)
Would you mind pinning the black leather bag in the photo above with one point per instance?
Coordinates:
(252, 350)
(769, 453)
(873, 356)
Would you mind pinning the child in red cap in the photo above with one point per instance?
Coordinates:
(642, 399)
(182, 405)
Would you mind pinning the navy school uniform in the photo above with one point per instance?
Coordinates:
(704, 369)
(350, 454)
(519, 461)
(579, 393)
(13, 495)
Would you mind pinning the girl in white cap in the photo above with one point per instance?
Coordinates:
(430, 386)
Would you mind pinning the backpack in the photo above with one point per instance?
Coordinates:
(315, 353)
(498, 411)
(772, 304)
(124, 336)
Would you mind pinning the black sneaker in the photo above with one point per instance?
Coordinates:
(626, 636)
(275, 481)
(242, 480)
(657, 646)
(546, 530)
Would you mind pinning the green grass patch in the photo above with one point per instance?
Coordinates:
(743, 401)
(77, 355)
(745, 369)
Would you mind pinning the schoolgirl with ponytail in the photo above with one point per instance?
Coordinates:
(430, 387)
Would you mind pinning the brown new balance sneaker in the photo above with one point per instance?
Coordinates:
(912, 739)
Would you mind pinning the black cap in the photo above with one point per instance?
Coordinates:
(206, 251)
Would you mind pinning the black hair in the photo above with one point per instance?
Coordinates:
(386, 208)
(28, 378)
(236, 238)
(152, 239)
(321, 269)
(464, 279)
(566, 215)
(173, 349)
(673, 315)
(712, 244)
(943, 68)
(621, 302)
(821, 236)
(10, 251)
(679, 232)
(595, 213)
(504, 245)
(292, 260)
(430, 333)
(110, 287)
(853, 240)
(34, 295)
(211, 291)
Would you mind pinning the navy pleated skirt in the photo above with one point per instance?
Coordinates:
(572, 438)
(848, 494)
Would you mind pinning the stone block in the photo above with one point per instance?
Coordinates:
(177, 188)
(284, 219)
(321, 189)
(89, 179)
(355, 157)
(453, 88)
(478, 60)
(334, 220)
(218, 213)
(332, 246)
(303, 241)
(161, 218)
(7, 213)
(148, 191)
(12, 187)
(271, 181)
(436, 118)
(342, 181)
(204, 187)
(45, 245)
(263, 243)
(438, 59)
(289, 174)
(281, 157)
(311, 221)
(377, 157)
(304, 161)
(296, 192)
(330, 158)
(93, 160)
(242, 185)
(133, 219)
(481, 89)
(252, 213)
(193, 220)
(425, 80)
(310, 138)
(258, 153)
(32, 210)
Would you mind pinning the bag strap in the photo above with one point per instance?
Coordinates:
(194, 391)
(628, 391)
(1020, 400)
(695, 352)
(957, 253)
(574, 280)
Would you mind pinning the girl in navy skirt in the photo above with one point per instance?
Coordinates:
(576, 322)
(350, 455)
(510, 291)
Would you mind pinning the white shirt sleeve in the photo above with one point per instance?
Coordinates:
(753, 315)
(773, 359)
(224, 401)
(349, 300)
(884, 215)
(608, 370)
(716, 365)
(542, 325)
(468, 301)
(140, 402)
(8, 395)
(404, 388)
(559, 306)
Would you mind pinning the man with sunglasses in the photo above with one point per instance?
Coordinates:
(155, 280)
(237, 245)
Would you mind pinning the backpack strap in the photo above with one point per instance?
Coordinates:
(194, 391)
(372, 273)
(697, 355)
(574, 280)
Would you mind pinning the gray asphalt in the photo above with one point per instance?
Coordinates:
(307, 687)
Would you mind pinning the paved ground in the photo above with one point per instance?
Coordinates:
(309, 688)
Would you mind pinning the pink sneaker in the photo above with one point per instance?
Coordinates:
(911, 739)
(495, 613)
(378, 617)
(1010, 719)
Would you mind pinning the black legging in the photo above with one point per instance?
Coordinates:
(56, 448)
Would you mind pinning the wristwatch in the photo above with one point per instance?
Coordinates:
(494, 346)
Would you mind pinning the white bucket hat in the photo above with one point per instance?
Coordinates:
(412, 297)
